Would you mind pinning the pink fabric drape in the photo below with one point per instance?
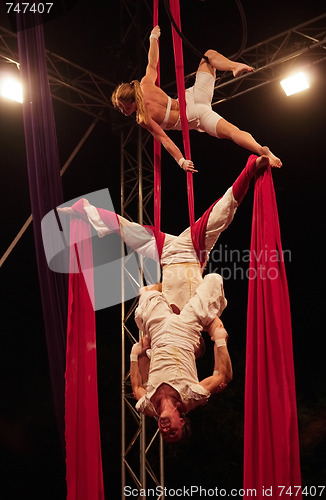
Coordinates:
(240, 188)
(179, 68)
(179, 71)
(45, 188)
(157, 147)
(83, 444)
(271, 445)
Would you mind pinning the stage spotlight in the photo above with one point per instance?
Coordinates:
(10, 88)
(295, 83)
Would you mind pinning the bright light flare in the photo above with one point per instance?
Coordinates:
(295, 83)
(11, 89)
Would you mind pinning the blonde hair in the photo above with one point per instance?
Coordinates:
(131, 92)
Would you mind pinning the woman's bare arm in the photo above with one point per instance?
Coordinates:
(153, 56)
(169, 145)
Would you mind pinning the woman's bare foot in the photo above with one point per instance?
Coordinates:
(241, 68)
(261, 162)
(273, 160)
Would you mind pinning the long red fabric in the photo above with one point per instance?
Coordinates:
(271, 445)
(179, 69)
(179, 72)
(83, 444)
(157, 147)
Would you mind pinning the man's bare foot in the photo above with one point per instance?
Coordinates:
(86, 203)
(273, 160)
(241, 68)
(66, 210)
(69, 210)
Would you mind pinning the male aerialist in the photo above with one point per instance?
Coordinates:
(182, 258)
(172, 388)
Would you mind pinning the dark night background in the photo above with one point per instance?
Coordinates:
(87, 33)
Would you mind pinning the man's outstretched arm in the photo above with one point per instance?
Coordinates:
(221, 376)
(139, 364)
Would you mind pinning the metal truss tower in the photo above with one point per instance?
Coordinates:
(142, 461)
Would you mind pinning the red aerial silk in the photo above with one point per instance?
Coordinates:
(179, 72)
(179, 69)
(83, 445)
(157, 146)
(271, 444)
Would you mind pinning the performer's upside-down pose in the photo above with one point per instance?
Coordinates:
(172, 387)
(183, 258)
(156, 111)
(169, 387)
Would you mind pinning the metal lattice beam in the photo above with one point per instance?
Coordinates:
(142, 461)
(301, 46)
(69, 83)
(74, 85)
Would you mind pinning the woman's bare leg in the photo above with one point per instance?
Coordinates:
(221, 63)
(225, 130)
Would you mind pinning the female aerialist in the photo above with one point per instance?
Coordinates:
(156, 111)
(184, 257)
